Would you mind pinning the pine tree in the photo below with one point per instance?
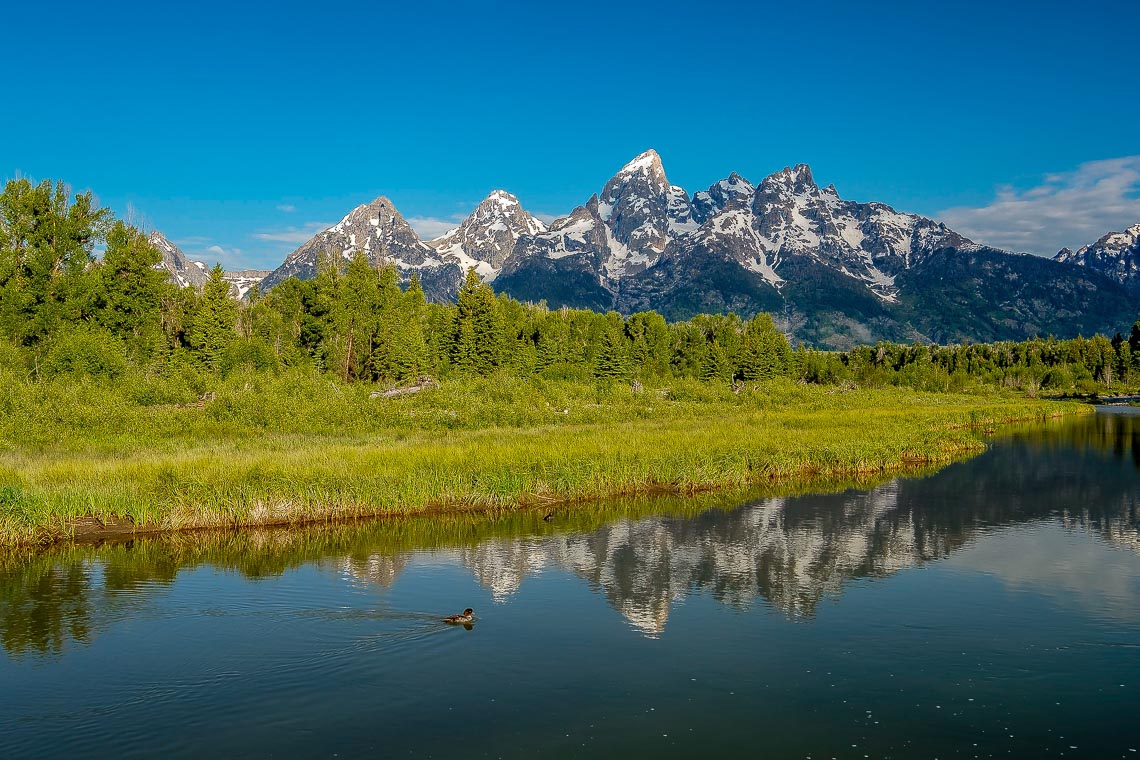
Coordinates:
(212, 325)
(611, 362)
(479, 336)
(764, 351)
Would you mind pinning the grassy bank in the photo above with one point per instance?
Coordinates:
(260, 450)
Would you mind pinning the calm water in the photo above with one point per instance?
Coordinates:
(991, 609)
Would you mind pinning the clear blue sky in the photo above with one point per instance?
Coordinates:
(236, 125)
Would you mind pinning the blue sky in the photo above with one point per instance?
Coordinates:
(239, 128)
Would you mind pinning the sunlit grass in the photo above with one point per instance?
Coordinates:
(297, 448)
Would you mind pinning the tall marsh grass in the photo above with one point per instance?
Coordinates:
(261, 449)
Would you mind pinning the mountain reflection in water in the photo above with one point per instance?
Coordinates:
(643, 556)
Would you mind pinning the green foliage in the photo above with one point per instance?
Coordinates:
(764, 350)
(46, 244)
(213, 322)
(479, 333)
(84, 351)
(129, 290)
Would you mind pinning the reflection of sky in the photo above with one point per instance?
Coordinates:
(1073, 567)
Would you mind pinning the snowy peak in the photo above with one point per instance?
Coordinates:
(647, 164)
(178, 267)
(486, 238)
(380, 232)
(643, 212)
(1116, 255)
(797, 180)
(733, 193)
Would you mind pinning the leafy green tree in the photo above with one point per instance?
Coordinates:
(46, 243)
(130, 291)
(213, 323)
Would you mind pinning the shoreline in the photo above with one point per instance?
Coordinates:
(707, 465)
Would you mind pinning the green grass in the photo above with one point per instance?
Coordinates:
(297, 448)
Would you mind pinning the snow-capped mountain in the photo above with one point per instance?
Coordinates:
(178, 267)
(244, 280)
(621, 232)
(379, 231)
(486, 238)
(193, 274)
(640, 218)
(835, 272)
(1116, 255)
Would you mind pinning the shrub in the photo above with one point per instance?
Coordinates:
(83, 351)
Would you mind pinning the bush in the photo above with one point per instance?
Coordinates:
(249, 352)
(82, 351)
(1057, 379)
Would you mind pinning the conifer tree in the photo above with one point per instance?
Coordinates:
(611, 362)
(212, 325)
(479, 335)
(764, 351)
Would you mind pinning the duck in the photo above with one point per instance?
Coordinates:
(549, 517)
(464, 618)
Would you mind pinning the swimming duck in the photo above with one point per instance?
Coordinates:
(462, 619)
(549, 517)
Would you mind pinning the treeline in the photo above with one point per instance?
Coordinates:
(64, 311)
(1079, 365)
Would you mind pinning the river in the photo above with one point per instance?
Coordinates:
(988, 609)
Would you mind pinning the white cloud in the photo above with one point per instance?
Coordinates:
(1068, 209)
(430, 227)
(294, 235)
(288, 208)
(229, 258)
(547, 219)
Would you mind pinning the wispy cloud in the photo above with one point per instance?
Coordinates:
(294, 235)
(288, 208)
(431, 227)
(547, 218)
(1068, 209)
(229, 258)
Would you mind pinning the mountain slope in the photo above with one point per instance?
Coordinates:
(1116, 255)
(834, 272)
(178, 267)
(379, 231)
(486, 238)
(988, 295)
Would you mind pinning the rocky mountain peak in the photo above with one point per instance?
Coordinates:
(642, 211)
(1116, 255)
(378, 230)
(488, 235)
(178, 267)
(733, 192)
(796, 180)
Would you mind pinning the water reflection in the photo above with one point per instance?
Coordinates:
(789, 552)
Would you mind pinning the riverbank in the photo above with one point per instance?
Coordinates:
(289, 450)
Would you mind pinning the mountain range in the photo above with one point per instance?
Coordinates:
(833, 272)
(193, 274)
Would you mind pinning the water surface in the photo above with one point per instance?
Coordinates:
(990, 609)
